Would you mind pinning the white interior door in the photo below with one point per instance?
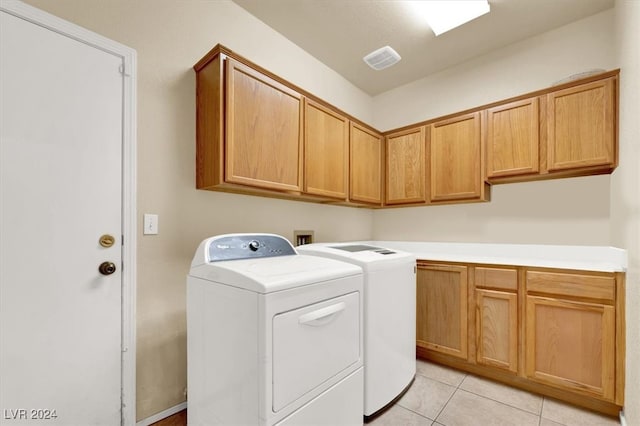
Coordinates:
(61, 118)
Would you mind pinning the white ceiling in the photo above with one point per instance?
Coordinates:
(340, 32)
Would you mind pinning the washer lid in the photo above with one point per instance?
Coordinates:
(266, 275)
(356, 248)
(368, 256)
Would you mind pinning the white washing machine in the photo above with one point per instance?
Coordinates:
(389, 317)
(273, 337)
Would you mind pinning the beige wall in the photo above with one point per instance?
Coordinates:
(625, 189)
(170, 36)
(550, 212)
(566, 211)
(532, 64)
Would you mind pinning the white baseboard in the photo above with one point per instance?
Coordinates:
(162, 415)
(623, 421)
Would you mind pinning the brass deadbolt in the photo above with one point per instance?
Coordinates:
(107, 240)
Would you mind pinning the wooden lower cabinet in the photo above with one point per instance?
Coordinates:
(571, 330)
(496, 316)
(555, 332)
(441, 313)
(497, 329)
(571, 344)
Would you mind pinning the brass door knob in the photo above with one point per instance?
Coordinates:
(107, 268)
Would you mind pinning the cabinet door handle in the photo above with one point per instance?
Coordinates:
(314, 318)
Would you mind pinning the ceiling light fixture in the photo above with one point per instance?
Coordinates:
(382, 58)
(444, 15)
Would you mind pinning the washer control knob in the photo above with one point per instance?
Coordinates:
(254, 245)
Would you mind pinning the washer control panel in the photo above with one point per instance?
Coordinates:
(248, 246)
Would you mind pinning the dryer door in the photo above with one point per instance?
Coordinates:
(313, 344)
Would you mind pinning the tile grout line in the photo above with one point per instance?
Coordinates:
(450, 398)
(441, 381)
(539, 415)
(415, 412)
(462, 381)
(438, 380)
(481, 396)
(544, 398)
(445, 404)
(504, 403)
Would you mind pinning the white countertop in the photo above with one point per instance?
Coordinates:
(587, 258)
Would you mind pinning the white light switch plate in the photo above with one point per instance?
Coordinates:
(150, 225)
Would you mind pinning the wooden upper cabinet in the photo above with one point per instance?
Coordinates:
(513, 138)
(210, 123)
(258, 134)
(441, 308)
(456, 172)
(326, 147)
(264, 130)
(365, 165)
(581, 128)
(405, 166)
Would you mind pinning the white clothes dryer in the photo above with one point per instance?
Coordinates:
(389, 317)
(274, 337)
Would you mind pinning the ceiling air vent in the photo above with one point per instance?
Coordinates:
(382, 58)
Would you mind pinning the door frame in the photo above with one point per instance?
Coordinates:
(129, 171)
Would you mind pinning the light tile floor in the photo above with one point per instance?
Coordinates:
(443, 396)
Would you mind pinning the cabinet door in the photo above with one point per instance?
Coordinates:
(512, 139)
(405, 171)
(326, 147)
(263, 130)
(365, 165)
(571, 345)
(497, 329)
(455, 159)
(581, 129)
(441, 311)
